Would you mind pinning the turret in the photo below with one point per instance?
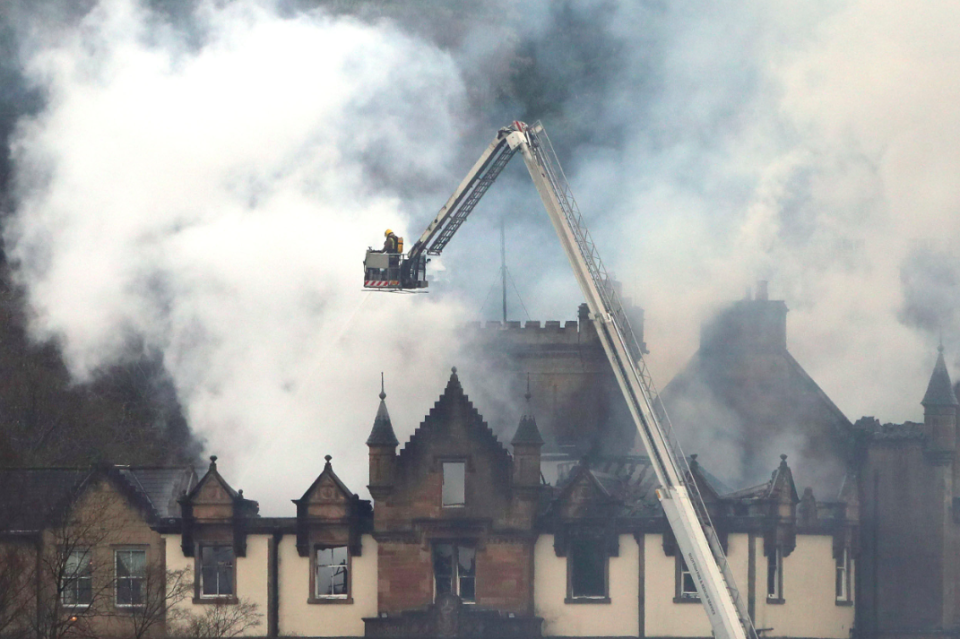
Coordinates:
(940, 407)
(382, 443)
(527, 443)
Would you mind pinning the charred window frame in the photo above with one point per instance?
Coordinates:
(454, 490)
(331, 575)
(216, 566)
(686, 587)
(844, 582)
(130, 570)
(588, 567)
(455, 571)
(76, 588)
(775, 575)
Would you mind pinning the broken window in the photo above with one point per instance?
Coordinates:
(587, 570)
(686, 587)
(131, 568)
(454, 479)
(332, 573)
(843, 576)
(775, 574)
(77, 586)
(455, 571)
(216, 571)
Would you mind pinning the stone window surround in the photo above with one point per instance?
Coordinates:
(456, 543)
(312, 597)
(199, 598)
(442, 462)
(845, 555)
(145, 549)
(776, 553)
(85, 553)
(570, 599)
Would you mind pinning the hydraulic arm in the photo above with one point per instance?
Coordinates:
(678, 494)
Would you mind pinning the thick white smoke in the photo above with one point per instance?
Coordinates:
(213, 200)
(215, 205)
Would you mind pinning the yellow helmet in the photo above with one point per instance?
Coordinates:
(387, 232)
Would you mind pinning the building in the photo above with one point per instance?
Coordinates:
(910, 496)
(743, 398)
(463, 539)
(80, 552)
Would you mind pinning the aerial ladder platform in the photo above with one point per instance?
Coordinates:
(678, 493)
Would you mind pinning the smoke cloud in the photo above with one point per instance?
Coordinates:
(202, 177)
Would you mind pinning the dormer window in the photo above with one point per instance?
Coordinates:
(454, 484)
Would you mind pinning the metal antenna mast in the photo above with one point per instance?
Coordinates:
(503, 270)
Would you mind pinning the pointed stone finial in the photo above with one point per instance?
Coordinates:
(940, 388)
(382, 433)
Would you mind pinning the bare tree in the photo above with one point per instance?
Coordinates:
(160, 592)
(221, 620)
(17, 587)
(73, 584)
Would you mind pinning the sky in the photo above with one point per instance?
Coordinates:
(201, 178)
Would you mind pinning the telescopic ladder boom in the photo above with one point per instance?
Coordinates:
(678, 493)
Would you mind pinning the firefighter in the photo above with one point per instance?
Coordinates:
(392, 243)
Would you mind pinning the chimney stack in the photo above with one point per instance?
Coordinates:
(762, 295)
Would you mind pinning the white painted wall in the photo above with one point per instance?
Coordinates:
(809, 578)
(251, 577)
(618, 618)
(663, 617)
(297, 617)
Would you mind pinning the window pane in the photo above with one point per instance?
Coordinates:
(588, 566)
(84, 591)
(468, 587)
(224, 580)
(136, 592)
(216, 570)
(332, 575)
(443, 568)
(123, 561)
(687, 587)
(208, 578)
(454, 477)
(773, 573)
(138, 562)
(467, 572)
(124, 594)
(331, 580)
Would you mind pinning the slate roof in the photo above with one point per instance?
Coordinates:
(743, 394)
(940, 389)
(631, 480)
(161, 486)
(382, 433)
(527, 433)
(32, 498)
